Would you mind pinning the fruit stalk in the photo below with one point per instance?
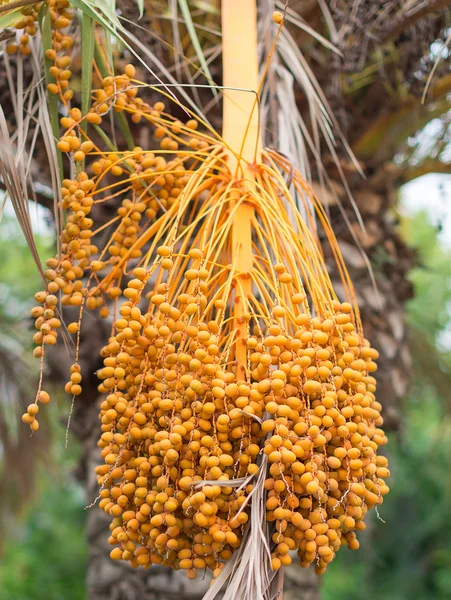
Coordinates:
(241, 135)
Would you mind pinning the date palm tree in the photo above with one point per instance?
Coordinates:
(346, 95)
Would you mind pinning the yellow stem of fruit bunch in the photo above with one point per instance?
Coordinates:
(241, 135)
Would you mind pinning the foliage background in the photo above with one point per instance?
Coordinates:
(408, 557)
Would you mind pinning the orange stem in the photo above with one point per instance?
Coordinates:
(241, 135)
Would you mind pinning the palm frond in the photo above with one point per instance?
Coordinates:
(434, 67)
(10, 13)
(113, 26)
(284, 126)
(322, 123)
(13, 174)
(186, 14)
(248, 572)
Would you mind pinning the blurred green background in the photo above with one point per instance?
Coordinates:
(404, 556)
